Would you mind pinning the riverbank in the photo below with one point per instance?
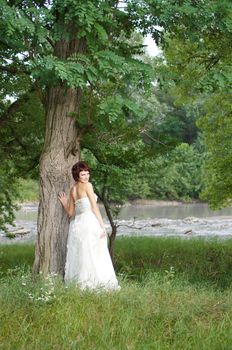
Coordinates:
(181, 220)
(160, 202)
(153, 202)
(175, 295)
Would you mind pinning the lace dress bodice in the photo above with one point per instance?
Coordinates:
(82, 205)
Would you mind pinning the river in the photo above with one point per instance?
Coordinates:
(149, 218)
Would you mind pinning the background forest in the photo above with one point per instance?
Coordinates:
(158, 129)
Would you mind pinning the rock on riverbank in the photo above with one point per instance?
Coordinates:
(185, 228)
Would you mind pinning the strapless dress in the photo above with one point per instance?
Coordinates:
(88, 262)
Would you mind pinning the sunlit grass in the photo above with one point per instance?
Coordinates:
(198, 260)
(165, 306)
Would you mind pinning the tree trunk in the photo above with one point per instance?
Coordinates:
(61, 151)
(111, 242)
(114, 227)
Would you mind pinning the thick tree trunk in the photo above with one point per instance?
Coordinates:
(61, 151)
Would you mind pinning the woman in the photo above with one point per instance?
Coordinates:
(88, 261)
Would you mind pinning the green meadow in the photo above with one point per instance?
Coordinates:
(176, 294)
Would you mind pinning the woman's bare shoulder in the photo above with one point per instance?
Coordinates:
(88, 186)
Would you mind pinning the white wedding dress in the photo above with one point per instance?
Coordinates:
(88, 261)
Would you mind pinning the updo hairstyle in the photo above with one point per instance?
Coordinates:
(77, 168)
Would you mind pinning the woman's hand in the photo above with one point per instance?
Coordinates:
(63, 198)
(103, 234)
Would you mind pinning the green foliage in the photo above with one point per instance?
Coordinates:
(74, 44)
(196, 41)
(10, 235)
(118, 174)
(21, 140)
(111, 119)
(22, 137)
(218, 140)
(178, 174)
(8, 192)
(99, 26)
(168, 124)
(13, 190)
(28, 190)
(124, 140)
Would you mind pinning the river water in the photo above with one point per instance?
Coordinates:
(153, 219)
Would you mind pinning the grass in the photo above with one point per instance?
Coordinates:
(197, 260)
(175, 295)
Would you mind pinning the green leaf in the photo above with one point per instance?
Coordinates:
(101, 32)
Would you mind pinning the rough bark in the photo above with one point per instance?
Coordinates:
(61, 151)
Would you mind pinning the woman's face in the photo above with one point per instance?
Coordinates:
(84, 176)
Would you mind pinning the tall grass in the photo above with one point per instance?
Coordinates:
(15, 256)
(166, 307)
(197, 260)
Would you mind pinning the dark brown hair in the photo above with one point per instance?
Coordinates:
(77, 168)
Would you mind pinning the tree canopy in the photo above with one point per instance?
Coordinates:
(196, 37)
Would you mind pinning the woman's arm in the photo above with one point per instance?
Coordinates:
(94, 206)
(68, 205)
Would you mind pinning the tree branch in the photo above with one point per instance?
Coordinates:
(155, 140)
(51, 42)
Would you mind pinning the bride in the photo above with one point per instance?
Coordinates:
(88, 261)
